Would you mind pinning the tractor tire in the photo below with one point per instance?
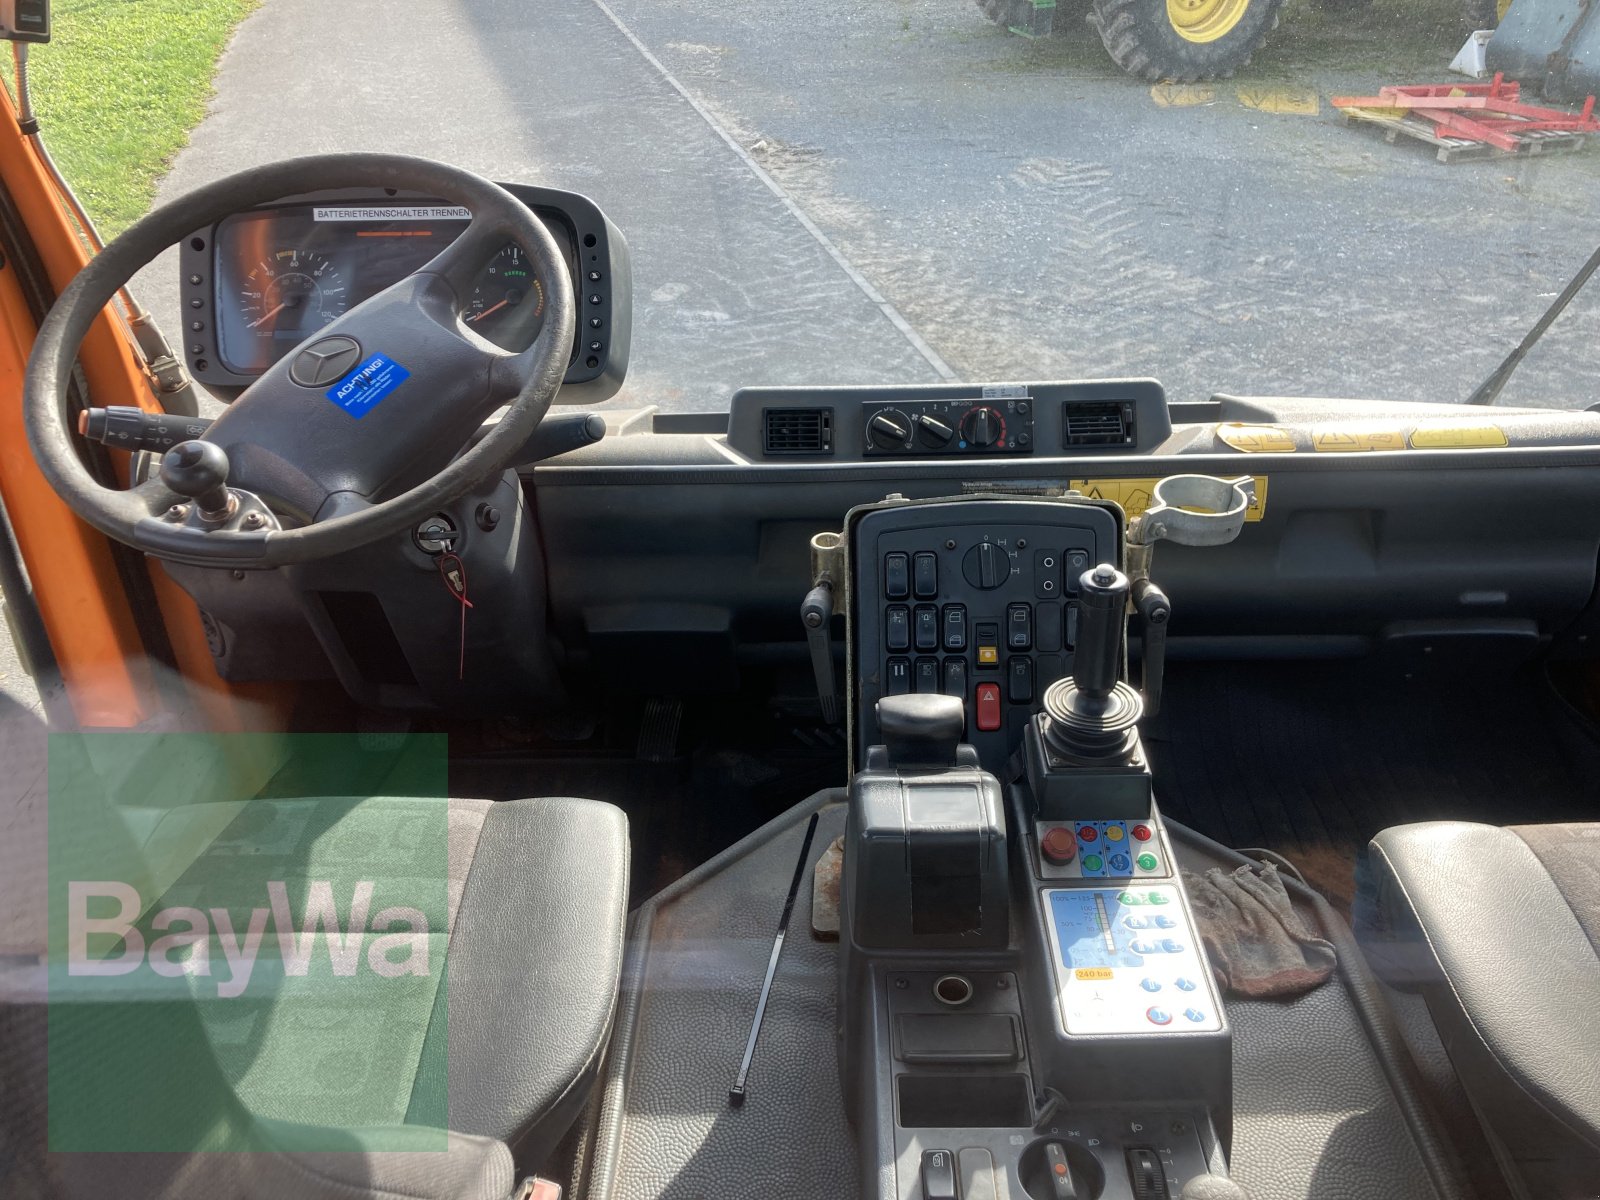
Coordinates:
(1184, 40)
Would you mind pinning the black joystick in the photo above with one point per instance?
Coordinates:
(199, 470)
(1090, 716)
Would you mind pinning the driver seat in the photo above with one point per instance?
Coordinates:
(334, 1091)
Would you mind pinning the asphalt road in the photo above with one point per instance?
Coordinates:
(879, 191)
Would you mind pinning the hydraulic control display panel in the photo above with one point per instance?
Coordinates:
(965, 427)
(975, 600)
(1127, 961)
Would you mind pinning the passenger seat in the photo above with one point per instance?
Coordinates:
(1500, 930)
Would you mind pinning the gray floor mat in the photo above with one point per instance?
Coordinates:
(1313, 1112)
(1315, 1117)
(666, 1129)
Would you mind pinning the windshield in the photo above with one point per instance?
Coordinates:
(903, 192)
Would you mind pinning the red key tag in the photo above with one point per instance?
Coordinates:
(454, 573)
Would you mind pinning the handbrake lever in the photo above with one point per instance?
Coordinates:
(817, 613)
(1155, 610)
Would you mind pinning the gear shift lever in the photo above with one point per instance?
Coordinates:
(921, 731)
(1090, 717)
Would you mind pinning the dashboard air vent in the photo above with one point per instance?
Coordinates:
(797, 430)
(1090, 423)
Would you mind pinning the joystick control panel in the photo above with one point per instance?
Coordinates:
(1110, 850)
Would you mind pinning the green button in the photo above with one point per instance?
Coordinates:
(1157, 898)
(1147, 862)
(1131, 898)
(1091, 862)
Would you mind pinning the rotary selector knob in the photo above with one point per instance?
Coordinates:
(934, 432)
(982, 427)
(889, 430)
(986, 566)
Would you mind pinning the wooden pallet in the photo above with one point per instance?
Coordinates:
(1396, 122)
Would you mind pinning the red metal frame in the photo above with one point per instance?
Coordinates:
(1490, 112)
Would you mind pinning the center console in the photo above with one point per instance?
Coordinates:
(1025, 1007)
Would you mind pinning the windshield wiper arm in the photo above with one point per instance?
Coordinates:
(1489, 390)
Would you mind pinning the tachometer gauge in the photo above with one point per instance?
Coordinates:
(292, 294)
(508, 304)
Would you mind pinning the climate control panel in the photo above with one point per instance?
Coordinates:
(946, 427)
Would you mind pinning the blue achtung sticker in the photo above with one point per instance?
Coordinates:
(359, 392)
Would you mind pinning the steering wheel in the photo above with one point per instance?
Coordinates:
(353, 435)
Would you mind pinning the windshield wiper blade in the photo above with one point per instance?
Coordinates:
(1489, 390)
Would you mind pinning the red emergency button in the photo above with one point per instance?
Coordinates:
(987, 698)
(1058, 846)
(1141, 833)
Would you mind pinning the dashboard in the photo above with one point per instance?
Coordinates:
(258, 283)
(680, 543)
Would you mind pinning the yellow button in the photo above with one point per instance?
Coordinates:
(988, 654)
(1114, 833)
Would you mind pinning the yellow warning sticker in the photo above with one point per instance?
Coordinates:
(1257, 439)
(1133, 495)
(1182, 95)
(1299, 102)
(1447, 435)
(1354, 438)
(1093, 973)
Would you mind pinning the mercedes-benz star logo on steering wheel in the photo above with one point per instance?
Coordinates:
(324, 362)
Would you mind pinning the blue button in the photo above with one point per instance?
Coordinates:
(1159, 1016)
(1136, 922)
(1150, 985)
(1119, 862)
(1144, 948)
(1194, 1014)
(1183, 985)
(1164, 922)
(1171, 947)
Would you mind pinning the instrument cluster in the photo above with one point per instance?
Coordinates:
(260, 282)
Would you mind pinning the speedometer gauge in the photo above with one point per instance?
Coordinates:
(291, 294)
(508, 304)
